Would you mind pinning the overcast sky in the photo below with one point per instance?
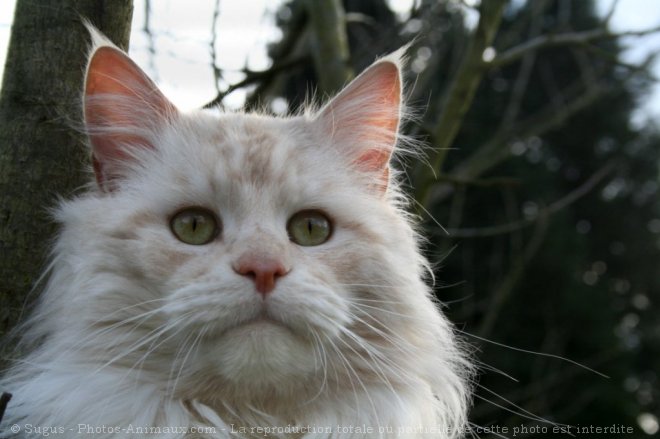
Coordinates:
(183, 29)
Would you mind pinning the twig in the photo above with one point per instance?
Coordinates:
(151, 40)
(550, 40)
(288, 48)
(461, 90)
(512, 213)
(254, 76)
(507, 285)
(612, 58)
(610, 13)
(494, 151)
(553, 208)
(525, 71)
(217, 73)
(483, 182)
(455, 217)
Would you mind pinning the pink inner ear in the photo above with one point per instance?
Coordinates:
(382, 125)
(374, 159)
(120, 102)
(111, 72)
(377, 160)
(365, 116)
(387, 87)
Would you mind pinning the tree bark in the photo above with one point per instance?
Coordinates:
(41, 152)
(331, 52)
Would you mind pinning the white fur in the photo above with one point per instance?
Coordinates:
(136, 328)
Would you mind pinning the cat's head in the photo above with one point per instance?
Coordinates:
(252, 251)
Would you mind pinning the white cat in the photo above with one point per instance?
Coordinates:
(238, 275)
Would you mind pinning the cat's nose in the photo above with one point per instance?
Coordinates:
(263, 271)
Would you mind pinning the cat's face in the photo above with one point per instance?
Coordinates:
(248, 249)
(282, 211)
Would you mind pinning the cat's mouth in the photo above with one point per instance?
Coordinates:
(261, 320)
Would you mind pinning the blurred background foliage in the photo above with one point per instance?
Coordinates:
(544, 218)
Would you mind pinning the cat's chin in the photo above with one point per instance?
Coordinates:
(260, 352)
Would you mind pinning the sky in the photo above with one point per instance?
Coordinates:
(183, 30)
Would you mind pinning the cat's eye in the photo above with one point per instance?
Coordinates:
(309, 228)
(195, 226)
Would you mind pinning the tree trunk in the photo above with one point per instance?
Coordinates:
(331, 52)
(41, 153)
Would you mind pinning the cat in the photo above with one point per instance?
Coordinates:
(238, 275)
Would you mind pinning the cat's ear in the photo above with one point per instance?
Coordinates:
(123, 109)
(363, 119)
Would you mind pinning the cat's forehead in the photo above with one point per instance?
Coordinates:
(256, 148)
(252, 131)
(247, 156)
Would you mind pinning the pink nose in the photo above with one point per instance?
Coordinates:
(264, 272)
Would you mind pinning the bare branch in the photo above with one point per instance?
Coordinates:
(217, 73)
(482, 182)
(460, 91)
(552, 209)
(610, 13)
(495, 150)
(253, 77)
(575, 98)
(550, 40)
(507, 285)
(634, 68)
(290, 47)
(525, 71)
(151, 40)
(455, 216)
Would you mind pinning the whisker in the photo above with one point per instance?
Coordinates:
(522, 410)
(142, 317)
(152, 347)
(151, 336)
(194, 347)
(372, 285)
(371, 350)
(381, 360)
(318, 345)
(362, 299)
(452, 285)
(387, 311)
(350, 370)
(380, 373)
(485, 366)
(522, 415)
(396, 341)
(431, 217)
(542, 354)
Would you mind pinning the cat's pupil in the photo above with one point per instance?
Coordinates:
(194, 223)
(309, 226)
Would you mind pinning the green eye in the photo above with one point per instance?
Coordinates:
(195, 226)
(309, 228)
